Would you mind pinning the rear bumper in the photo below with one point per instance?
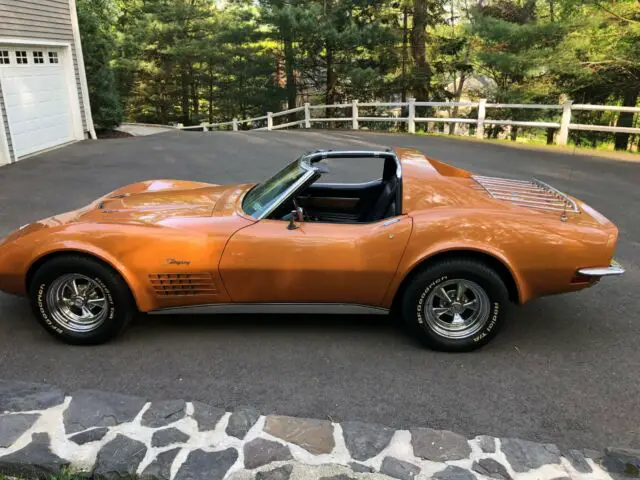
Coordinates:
(613, 270)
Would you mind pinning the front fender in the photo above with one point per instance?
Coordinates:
(140, 294)
(21, 253)
(134, 251)
(147, 257)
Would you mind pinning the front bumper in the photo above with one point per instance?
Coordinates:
(613, 270)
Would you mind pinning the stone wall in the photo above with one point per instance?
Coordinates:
(113, 436)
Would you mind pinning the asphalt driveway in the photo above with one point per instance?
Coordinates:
(564, 370)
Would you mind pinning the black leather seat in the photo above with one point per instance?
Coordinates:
(385, 205)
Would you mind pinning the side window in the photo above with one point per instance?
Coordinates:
(355, 190)
(21, 57)
(4, 57)
(53, 57)
(38, 57)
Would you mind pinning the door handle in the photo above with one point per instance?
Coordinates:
(390, 222)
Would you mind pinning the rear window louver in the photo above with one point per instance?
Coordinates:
(527, 193)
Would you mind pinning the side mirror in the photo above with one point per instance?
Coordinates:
(297, 215)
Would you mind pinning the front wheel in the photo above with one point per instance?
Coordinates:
(80, 301)
(455, 305)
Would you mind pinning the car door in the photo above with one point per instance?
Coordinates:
(315, 263)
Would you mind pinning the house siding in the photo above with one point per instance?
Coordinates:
(5, 125)
(41, 20)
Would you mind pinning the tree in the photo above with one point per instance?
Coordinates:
(598, 60)
(356, 48)
(426, 14)
(172, 32)
(193, 60)
(244, 65)
(290, 21)
(453, 55)
(96, 18)
(515, 49)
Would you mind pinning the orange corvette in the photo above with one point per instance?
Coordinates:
(446, 249)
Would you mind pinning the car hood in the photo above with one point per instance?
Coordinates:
(154, 201)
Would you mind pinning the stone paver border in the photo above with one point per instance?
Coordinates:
(113, 436)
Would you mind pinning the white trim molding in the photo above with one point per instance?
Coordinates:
(74, 98)
(32, 41)
(81, 70)
(5, 154)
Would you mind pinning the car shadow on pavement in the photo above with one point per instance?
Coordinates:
(258, 324)
(547, 324)
(544, 325)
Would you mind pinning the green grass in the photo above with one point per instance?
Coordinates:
(65, 476)
(603, 150)
(526, 139)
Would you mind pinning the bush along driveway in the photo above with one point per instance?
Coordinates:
(44, 432)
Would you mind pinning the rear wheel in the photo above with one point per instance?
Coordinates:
(80, 301)
(455, 305)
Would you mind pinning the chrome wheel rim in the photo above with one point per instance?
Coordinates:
(457, 309)
(77, 303)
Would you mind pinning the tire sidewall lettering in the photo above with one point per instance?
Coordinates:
(51, 323)
(44, 311)
(493, 319)
(109, 297)
(424, 295)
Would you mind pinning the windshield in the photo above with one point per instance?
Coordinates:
(261, 197)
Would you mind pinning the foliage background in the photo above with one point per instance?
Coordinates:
(191, 61)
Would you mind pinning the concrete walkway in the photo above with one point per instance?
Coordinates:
(142, 129)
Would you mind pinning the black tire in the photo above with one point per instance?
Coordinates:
(422, 289)
(119, 306)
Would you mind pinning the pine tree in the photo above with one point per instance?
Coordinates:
(98, 46)
(598, 61)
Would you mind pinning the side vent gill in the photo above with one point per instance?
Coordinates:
(181, 284)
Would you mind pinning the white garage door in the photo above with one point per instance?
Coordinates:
(35, 88)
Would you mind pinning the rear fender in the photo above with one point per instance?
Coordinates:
(411, 263)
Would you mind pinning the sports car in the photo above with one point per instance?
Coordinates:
(443, 249)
